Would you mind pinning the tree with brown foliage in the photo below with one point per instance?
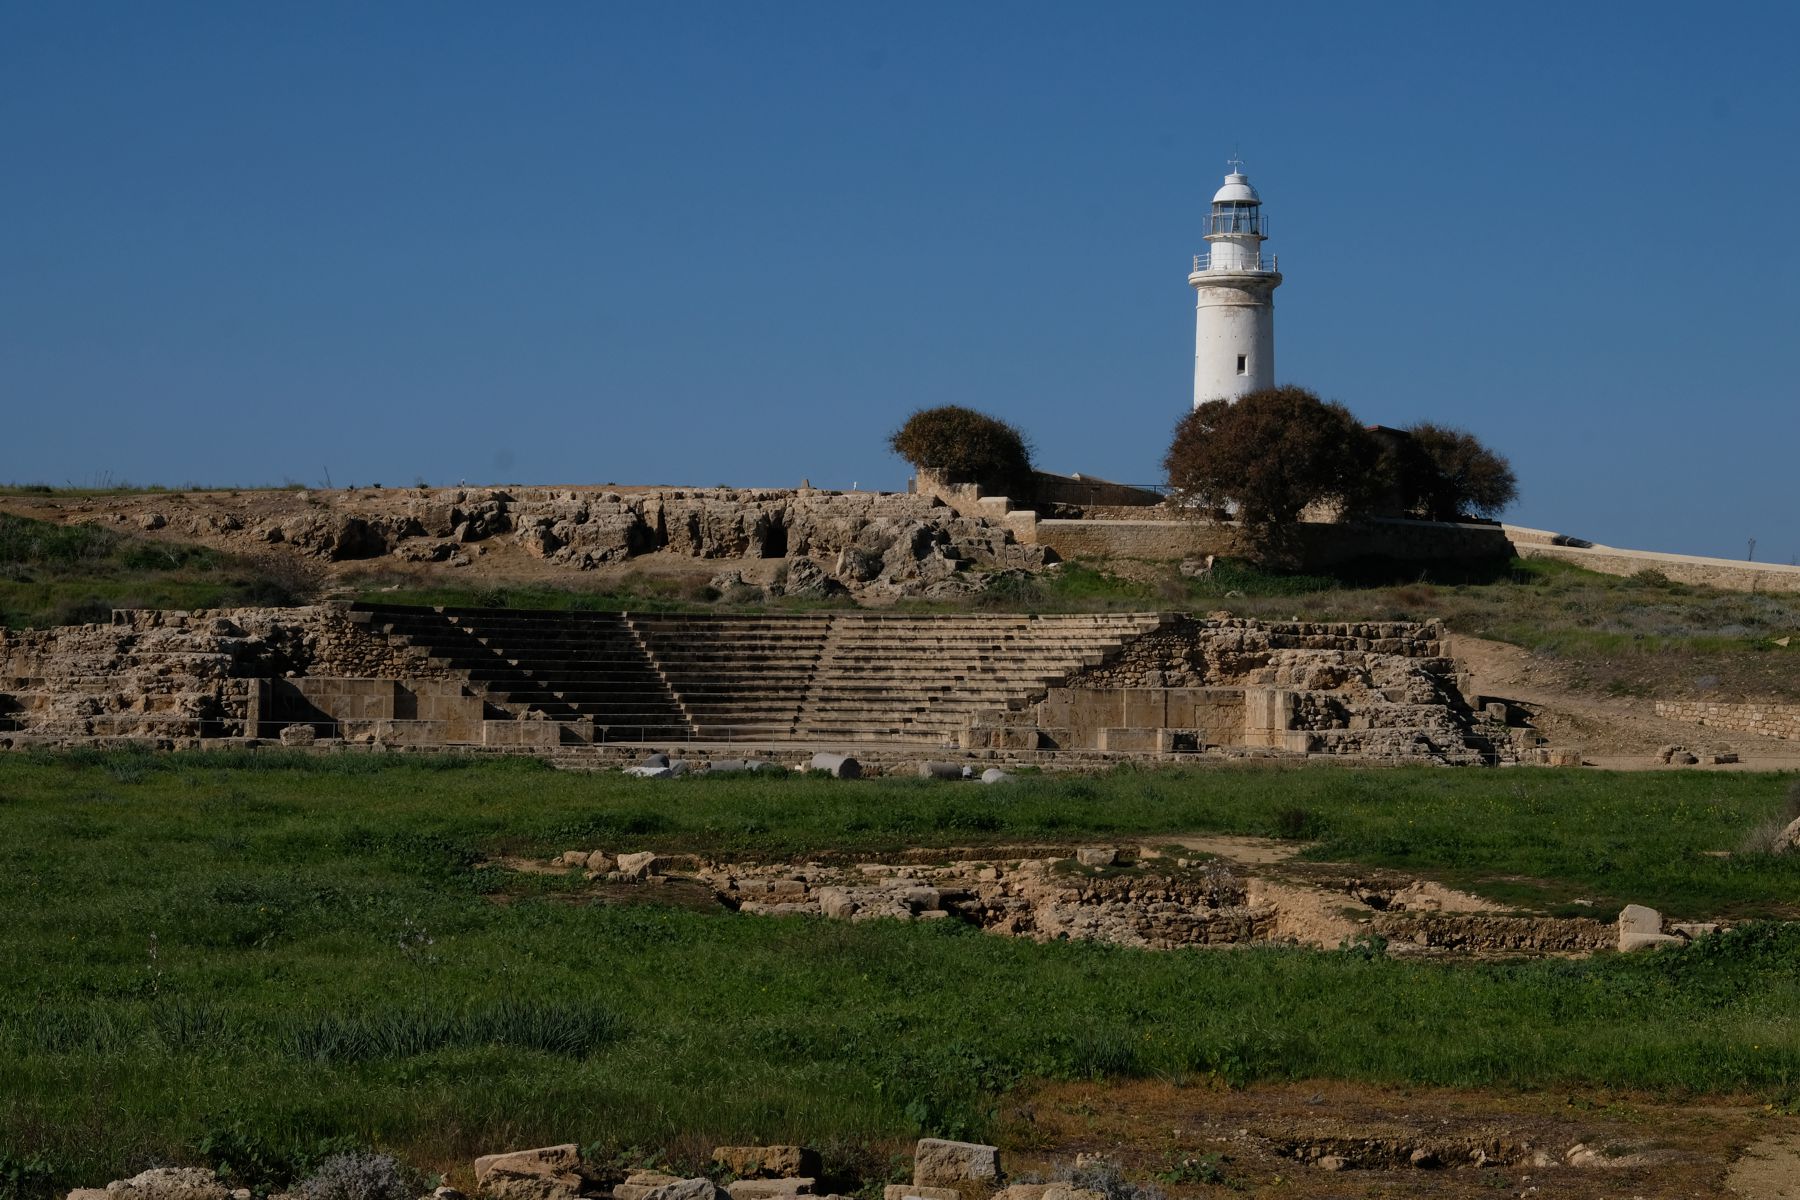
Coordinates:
(1268, 456)
(964, 443)
(1449, 474)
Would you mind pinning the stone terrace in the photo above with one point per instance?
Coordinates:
(856, 677)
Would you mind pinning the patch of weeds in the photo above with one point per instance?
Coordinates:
(27, 1176)
(1195, 1169)
(1298, 824)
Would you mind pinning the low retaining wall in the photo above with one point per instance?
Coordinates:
(1322, 544)
(1724, 573)
(1767, 720)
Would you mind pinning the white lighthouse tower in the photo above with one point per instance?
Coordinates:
(1234, 284)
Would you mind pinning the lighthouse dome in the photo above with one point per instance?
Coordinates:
(1237, 190)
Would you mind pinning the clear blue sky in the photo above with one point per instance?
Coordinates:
(738, 242)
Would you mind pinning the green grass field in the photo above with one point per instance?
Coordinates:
(251, 961)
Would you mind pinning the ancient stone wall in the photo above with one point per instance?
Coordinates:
(180, 674)
(1766, 720)
(1213, 651)
(1376, 689)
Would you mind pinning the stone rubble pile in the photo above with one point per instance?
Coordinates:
(1109, 894)
(942, 1171)
(1182, 903)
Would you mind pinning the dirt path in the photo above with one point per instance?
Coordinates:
(1617, 732)
(1312, 1140)
(1769, 1169)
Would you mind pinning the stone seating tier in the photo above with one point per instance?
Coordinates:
(769, 676)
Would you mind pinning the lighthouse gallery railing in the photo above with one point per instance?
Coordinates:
(1264, 262)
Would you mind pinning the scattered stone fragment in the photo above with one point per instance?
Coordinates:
(1788, 840)
(649, 772)
(1332, 1162)
(1097, 856)
(948, 1164)
(167, 1183)
(769, 1189)
(918, 1191)
(838, 766)
(1637, 918)
(996, 775)
(699, 1188)
(940, 770)
(836, 903)
(641, 1183)
(641, 865)
(298, 735)
(768, 1162)
(1640, 928)
(546, 1173)
(1022, 1191)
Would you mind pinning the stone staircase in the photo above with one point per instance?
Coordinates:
(568, 666)
(920, 679)
(741, 677)
(756, 677)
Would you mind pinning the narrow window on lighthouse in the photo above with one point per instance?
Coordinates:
(1243, 364)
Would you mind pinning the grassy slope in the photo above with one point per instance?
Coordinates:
(248, 961)
(62, 574)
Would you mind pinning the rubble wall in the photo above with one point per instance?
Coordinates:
(1374, 689)
(181, 674)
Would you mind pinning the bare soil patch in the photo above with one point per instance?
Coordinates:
(1331, 1139)
(1620, 732)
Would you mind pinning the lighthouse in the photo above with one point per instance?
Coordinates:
(1234, 284)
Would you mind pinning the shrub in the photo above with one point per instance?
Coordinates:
(965, 443)
(1269, 455)
(1105, 1177)
(357, 1177)
(1448, 473)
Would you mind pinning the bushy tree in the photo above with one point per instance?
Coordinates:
(1269, 455)
(965, 443)
(1447, 473)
